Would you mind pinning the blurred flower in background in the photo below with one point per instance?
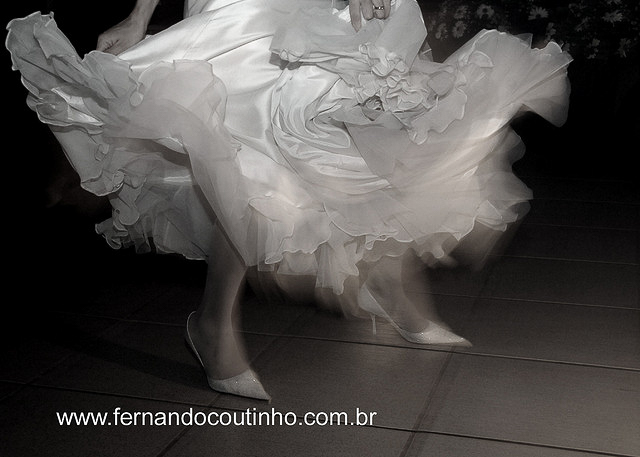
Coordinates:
(589, 29)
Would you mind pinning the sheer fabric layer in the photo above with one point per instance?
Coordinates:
(315, 147)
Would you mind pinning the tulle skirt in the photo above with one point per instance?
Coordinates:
(314, 147)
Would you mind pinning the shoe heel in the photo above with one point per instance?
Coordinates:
(433, 334)
(246, 384)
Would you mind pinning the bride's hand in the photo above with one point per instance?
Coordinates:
(369, 9)
(121, 37)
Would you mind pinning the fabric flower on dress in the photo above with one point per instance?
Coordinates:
(424, 97)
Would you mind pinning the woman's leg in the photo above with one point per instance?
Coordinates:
(388, 285)
(211, 327)
(392, 281)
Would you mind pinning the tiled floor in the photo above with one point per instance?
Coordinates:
(554, 370)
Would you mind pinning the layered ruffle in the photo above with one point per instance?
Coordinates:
(347, 147)
(117, 137)
(429, 150)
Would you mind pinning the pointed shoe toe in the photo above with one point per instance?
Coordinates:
(246, 384)
(435, 334)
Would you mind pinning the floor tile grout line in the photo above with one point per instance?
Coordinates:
(147, 301)
(413, 431)
(443, 294)
(417, 431)
(342, 341)
(588, 201)
(549, 361)
(110, 394)
(466, 323)
(70, 355)
(566, 259)
(449, 349)
(306, 318)
(548, 177)
(526, 223)
(285, 334)
(545, 302)
(185, 430)
(133, 321)
(19, 388)
(303, 318)
(170, 445)
(452, 350)
(598, 196)
(424, 411)
(577, 226)
(524, 443)
(181, 433)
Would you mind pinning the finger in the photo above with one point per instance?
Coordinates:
(115, 49)
(367, 9)
(378, 9)
(354, 13)
(108, 46)
(387, 8)
(103, 45)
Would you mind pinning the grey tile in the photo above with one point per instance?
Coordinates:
(124, 284)
(30, 426)
(454, 311)
(325, 325)
(285, 441)
(574, 243)
(430, 445)
(584, 190)
(538, 402)
(144, 360)
(580, 334)
(8, 388)
(38, 342)
(255, 316)
(585, 214)
(117, 297)
(172, 306)
(458, 281)
(271, 317)
(564, 281)
(311, 376)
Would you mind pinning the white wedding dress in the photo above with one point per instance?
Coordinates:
(315, 147)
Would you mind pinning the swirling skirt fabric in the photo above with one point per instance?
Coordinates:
(314, 146)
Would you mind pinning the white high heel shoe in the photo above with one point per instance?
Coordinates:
(246, 384)
(433, 334)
